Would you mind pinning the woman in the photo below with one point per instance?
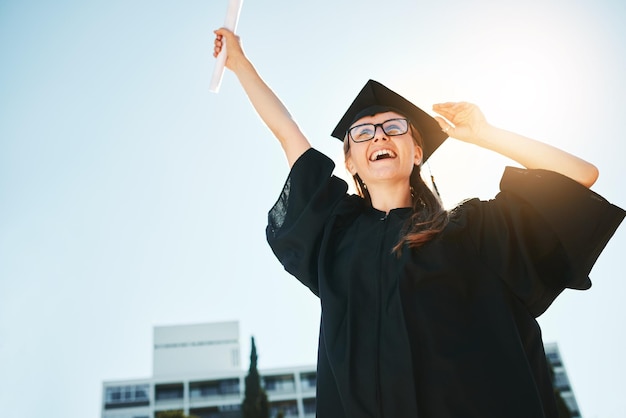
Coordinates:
(424, 312)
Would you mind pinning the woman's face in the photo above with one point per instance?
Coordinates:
(384, 157)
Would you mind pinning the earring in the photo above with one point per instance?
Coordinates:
(412, 190)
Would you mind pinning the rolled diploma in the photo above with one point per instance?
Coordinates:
(232, 17)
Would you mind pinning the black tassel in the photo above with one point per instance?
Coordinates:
(432, 180)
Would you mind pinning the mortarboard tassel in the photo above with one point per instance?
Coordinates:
(432, 180)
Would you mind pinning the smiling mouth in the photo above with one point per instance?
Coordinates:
(382, 154)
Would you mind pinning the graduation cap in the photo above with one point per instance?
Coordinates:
(375, 98)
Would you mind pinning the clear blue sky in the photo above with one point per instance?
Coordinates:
(131, 196)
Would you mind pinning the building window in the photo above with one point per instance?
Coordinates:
(159, 414)
(222, 411)
(561, 382)
(281, 383)
(288, 408)
(169, 392)
(308, 380)
(234, 353)
(126, 396)
(209, 388)
(570, 401)
(141, 392)
(309, 406)
(229, 387)
(554, 358)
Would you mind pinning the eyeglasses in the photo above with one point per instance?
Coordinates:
(367, 131)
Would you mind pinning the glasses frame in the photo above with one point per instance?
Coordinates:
(376, 125)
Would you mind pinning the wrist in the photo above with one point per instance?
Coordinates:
(240, 65)
(488, 135)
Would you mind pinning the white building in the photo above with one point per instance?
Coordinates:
(561, 381)
(196, 369)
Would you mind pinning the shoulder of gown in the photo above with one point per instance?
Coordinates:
(310, 197)
(541, 234)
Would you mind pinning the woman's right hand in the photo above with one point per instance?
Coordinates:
(269, 107)
(235, 54)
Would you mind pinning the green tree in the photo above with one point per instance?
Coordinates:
(255, 403)
(173, 414)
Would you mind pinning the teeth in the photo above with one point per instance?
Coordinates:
(381, 153)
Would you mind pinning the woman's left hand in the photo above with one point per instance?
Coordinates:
(469, 125)
(468, 121)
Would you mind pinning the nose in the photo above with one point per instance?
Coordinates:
(382, 136)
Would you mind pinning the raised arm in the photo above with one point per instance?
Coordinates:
(471, 126)
(269, 107)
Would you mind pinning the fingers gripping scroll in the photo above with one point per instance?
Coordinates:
(232, 18)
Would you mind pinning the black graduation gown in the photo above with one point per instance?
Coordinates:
(449, 329)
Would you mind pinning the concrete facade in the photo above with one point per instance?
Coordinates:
(196, 369)
(561, 380)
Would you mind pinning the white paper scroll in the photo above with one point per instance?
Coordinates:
(232, 17)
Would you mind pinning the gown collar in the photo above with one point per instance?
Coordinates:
(402, 213)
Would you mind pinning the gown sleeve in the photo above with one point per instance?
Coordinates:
(541, 234)
(296, 221)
